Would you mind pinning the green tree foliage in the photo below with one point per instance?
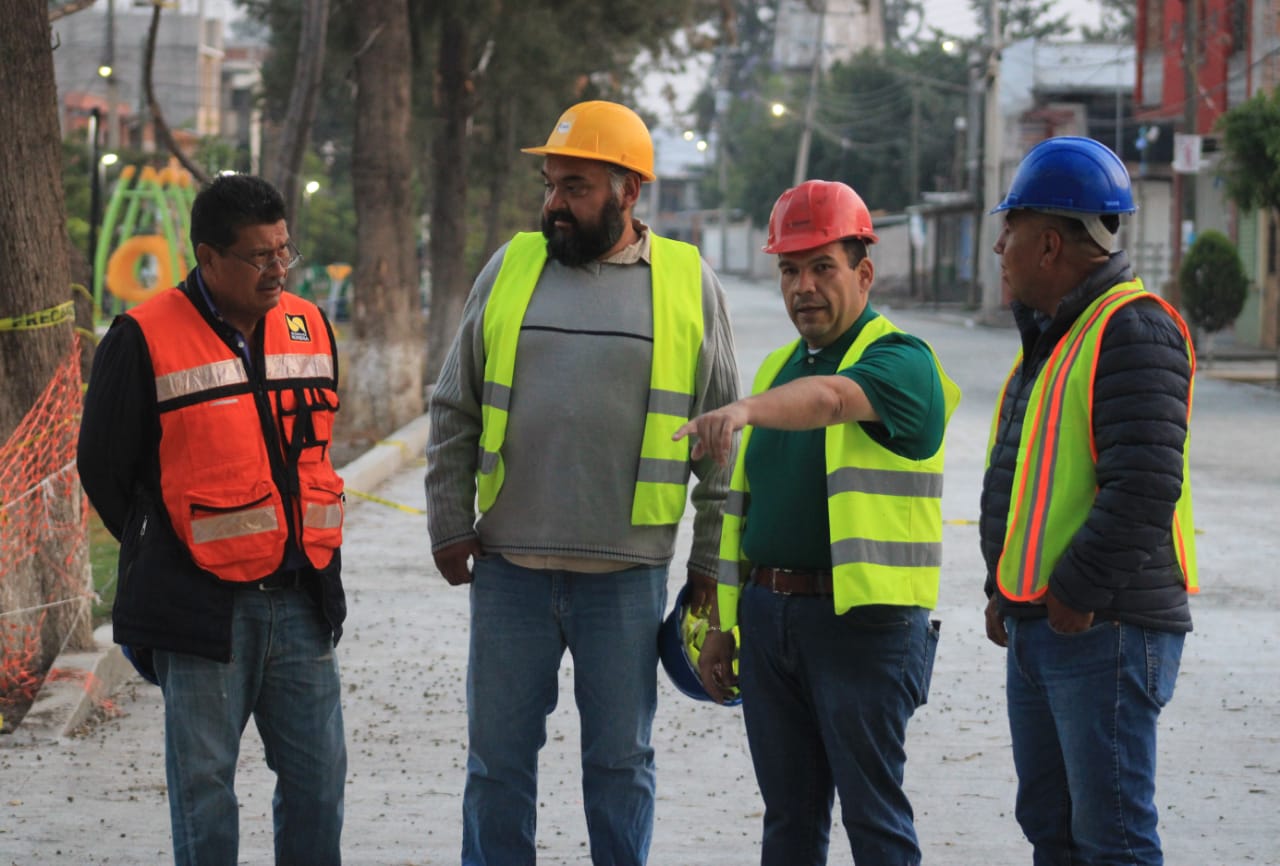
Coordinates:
(1212, 281)
(903, 20)
(1251, 141)
(863, 131)
(1119, 22)
(531, 60)
(1023, 19)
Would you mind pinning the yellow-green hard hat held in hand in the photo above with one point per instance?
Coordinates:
(679, 645)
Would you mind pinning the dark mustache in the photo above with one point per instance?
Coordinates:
(561, 216)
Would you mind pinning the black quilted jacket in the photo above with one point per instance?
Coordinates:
(1121, 563)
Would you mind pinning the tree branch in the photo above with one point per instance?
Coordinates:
(157, 116)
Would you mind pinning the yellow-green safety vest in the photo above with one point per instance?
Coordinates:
(885, 510)
(663, 471)
(1055, 480)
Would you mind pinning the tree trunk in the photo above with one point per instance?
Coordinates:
(41, 555)
(449, 278)
(383, 382)
(295, 126)
(505, 113)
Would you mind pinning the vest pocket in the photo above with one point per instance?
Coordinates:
(323, 510)
(238, 535)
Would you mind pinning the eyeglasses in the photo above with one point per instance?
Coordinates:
(287, 257)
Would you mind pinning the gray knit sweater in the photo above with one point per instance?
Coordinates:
(577, 413)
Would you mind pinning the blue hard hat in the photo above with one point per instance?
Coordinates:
(679, 642)
(1070, 174)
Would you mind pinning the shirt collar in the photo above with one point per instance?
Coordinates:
(632, 253)
(834, 353)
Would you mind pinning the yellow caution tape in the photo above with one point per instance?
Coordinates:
(407, 509)
(416, 458)
(47, 318)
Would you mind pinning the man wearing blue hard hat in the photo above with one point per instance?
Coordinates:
(1086, 523)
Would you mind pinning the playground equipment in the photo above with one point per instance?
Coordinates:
(143, 246)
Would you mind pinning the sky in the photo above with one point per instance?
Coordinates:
(956, 16)
(951, 16)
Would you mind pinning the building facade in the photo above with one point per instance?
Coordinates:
(1198, 59)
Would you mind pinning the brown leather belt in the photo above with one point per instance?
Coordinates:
(786, 581)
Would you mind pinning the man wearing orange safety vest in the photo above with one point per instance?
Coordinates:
(205, 448)
(831, 551)
(1086, 512)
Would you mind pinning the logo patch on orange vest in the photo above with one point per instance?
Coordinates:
(297, 328)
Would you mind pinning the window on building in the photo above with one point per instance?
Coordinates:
(1155, 25)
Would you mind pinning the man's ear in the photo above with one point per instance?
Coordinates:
(630, 190)
(204, 255)
(866, 272)
(1051, 244)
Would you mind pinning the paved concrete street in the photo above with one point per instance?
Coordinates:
(100, 797)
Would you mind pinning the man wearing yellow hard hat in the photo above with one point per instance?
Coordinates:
(582, 349)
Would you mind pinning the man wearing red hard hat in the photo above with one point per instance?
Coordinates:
(831, 546)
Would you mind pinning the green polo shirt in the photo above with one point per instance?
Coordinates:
(787, 524)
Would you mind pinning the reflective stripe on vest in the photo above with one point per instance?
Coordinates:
(884, 510)
(221, 374)
(663, 471)
(1055, 480)
(216, 473)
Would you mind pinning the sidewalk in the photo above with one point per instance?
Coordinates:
(99, 797)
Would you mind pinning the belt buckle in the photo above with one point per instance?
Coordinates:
(773, 581)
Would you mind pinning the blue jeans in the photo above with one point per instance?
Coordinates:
(1082, 713)
(284, 673)
(522, 620)
(826, 700)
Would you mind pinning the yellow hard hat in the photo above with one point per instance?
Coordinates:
(604, 131)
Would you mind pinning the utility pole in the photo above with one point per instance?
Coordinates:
(1190, 124)
(973, 169)
(914, 175)
(811, 103)
(722, 153)
(992, 157)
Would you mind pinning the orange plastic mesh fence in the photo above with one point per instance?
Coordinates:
(43, 516)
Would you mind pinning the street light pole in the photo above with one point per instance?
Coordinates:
(107, 70)
(810, 104)
(95, 191)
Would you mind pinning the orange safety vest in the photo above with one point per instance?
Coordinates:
(244, 465)
(1054, 484)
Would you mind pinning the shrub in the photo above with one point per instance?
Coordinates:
(1213, 282)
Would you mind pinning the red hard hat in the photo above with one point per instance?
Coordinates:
(814, 214)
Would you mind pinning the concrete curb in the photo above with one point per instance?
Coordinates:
(86, 679)
(366, 472)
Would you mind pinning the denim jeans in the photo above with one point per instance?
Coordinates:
(522, 620)
(284, 673)
(826, 700)
(1082, 713)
